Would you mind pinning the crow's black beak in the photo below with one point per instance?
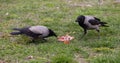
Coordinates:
(55, 35)
(76, 20)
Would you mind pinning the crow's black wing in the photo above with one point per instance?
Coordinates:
(97, 19)
(94, 22)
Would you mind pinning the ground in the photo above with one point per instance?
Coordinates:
(59, 15)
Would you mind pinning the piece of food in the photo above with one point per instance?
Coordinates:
(66, 39)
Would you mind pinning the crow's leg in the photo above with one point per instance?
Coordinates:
(85, 32)
(42, 38)
(33, 39)
(98, 33)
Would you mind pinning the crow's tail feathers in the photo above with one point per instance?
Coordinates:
(15, 33)
(17, 29)
(104, 24)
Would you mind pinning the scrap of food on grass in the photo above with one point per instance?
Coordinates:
(66, 39)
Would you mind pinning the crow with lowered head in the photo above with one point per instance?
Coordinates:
(34, 32)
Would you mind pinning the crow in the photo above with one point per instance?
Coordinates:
(34, 32)
(90, 23)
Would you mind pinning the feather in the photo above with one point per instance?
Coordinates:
(39, 30)
(15, 33)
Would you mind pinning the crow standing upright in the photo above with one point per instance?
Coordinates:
(90, 23)
(34, 32)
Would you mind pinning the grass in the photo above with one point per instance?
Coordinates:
(60, 16)
(108, 58)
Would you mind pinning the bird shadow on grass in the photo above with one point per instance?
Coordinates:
(88, 37)
(94, 36)
(36, 42)
(27, 40)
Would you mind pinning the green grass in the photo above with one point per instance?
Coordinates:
(60, 16)
(108, 58)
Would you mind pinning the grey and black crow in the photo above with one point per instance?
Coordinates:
(90, 23)
(34, 32)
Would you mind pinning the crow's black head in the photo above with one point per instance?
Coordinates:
(52, 33)
(80, 18)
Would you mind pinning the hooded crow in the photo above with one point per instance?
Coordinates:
(90, 23)
(34, 32)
